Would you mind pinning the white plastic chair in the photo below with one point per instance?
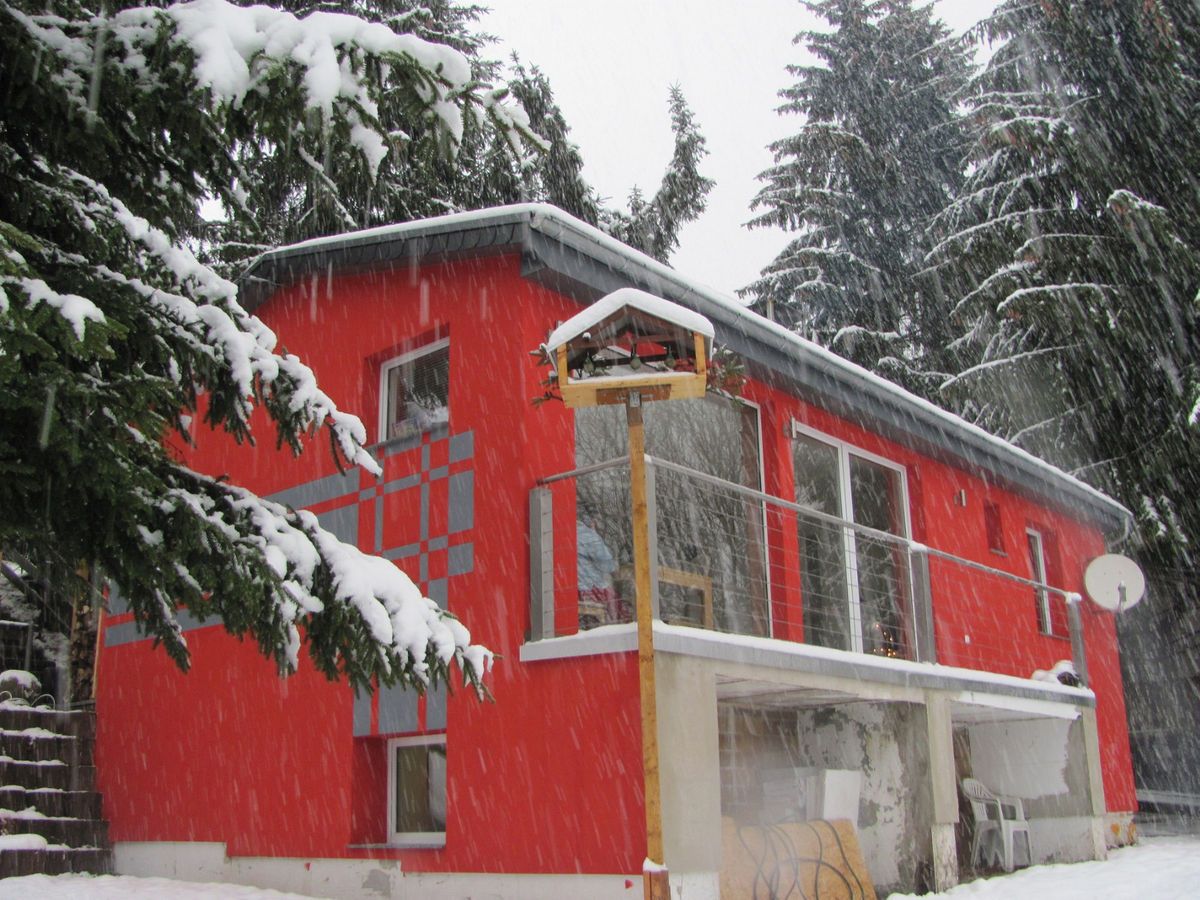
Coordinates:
(996, 816)
(985, 827)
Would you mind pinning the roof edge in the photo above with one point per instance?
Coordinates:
(590, 263)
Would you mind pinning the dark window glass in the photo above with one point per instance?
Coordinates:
(416, 393)
(420, 783)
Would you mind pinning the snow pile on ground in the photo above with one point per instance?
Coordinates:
(1162, 868)
(119, 887)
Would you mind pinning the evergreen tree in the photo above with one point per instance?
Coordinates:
(115, 127)
(1075, 246)
(300, 186)
(653, 225)
(556, 176)
(877, 156)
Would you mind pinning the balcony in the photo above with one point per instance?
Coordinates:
(728, 559)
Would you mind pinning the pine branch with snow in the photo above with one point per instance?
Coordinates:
(114, 337)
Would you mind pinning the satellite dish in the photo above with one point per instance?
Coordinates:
(1114, 582)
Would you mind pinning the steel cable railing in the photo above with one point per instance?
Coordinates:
(731, 558)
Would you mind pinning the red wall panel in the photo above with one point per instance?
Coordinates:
(547, 778)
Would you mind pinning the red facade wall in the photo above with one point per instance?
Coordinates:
(274, 759)
(231, 752)
(981, 622)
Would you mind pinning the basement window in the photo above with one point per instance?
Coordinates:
(417, 791)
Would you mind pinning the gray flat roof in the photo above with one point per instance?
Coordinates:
(581, 262)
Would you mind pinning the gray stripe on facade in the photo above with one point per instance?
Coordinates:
(435, 708)
(424, 512)
(461, 559)
(342, 523)
(362, 713)
(125, 633)
(116, 602)
(402, 552)
(397, 445)
(439, 473)
(128, 632)
(378, 525)
(437, 592)
(462, 502)
(313, 492)
(462, 446)
(397, 710)
(438, 543)
(402, 484)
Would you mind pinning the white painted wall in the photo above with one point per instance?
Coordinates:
(1024, 759)
(373, 879)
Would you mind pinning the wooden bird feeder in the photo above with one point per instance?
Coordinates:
(630, 341)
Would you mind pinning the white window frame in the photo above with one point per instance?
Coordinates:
(410, 838)
(395, 363)
(845, 451)
(1036, 543)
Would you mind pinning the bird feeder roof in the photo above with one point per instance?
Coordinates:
(623, 303)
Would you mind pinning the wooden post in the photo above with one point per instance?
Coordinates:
(656, 880)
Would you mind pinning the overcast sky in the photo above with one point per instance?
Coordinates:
(610, 65)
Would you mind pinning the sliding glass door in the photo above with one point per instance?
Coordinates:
(854, 583)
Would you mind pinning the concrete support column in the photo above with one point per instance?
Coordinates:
(691, 784)
(1091, 749)
(943, 783)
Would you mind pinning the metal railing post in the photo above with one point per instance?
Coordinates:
(1078, 653)
(652, 537)
(541, 564)
(922, 603)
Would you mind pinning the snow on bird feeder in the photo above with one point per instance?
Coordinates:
(631, 342)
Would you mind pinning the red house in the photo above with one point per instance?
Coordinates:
(852, 592)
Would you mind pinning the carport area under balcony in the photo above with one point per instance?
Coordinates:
(790, 643)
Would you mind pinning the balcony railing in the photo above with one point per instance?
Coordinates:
(733, 559)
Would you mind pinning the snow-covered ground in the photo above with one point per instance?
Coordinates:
(1165, 868)
(120, 887)
(1162, 868)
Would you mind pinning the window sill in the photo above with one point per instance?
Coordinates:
(413, 439)
(416, 842)
(1055, 634)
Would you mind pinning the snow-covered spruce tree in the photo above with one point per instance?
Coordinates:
(653, 225)
(1075, 250)
(115, 341)
(878, 153)
(299, 185)
(557, 175)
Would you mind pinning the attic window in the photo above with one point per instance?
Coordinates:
(414, 391)
(994, 527)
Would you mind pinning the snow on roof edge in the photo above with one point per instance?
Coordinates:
(449, 222)
(802, 344)
(540, 215)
